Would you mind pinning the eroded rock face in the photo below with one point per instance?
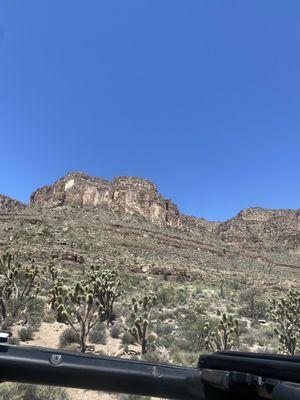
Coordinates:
(263, 229)
(125, 194)
(7, 204)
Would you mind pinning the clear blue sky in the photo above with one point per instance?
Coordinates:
(202, 97)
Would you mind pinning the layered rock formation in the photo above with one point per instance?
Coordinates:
(253, 228)
(263, 229)
(124, 194)
(7, 204)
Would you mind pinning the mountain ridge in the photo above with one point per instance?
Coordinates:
(254, 228)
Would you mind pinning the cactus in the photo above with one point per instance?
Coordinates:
(224, 337)
(78, 307)
(56, 289)
(141, 316)
(285, 313)
(106, 285)
(18, 284)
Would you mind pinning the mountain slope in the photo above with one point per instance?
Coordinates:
(81, 219)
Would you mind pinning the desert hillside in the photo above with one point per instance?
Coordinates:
(199, 271)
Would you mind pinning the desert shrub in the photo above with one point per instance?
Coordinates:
(17, 391)
(191, 329)
(115, 331)
(165, 314)
(184, 358)
(166, 295)
(71, 347)
(156, 356)
(14, 340)
(98, 334)
(26, 334)
(35, 312)
(128, 338)
(68, 336)
(164, 329)
(230, 309)
(50, 317)
(258, 312)
(7, 323)
(249, 339)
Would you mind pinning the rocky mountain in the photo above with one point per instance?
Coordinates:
(7, 204)
(126, 221)
(258, 228)
(127, 195)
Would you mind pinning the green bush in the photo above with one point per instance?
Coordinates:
(26, 334)
(98, 334)
(128, 338)
(68, 337)
(17, 391)
(115, 331)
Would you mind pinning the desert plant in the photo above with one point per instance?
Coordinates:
(14, 340)
(255, 308)
(18, 284)
(18, 391)
(98, 334)
(106, 284)
(128, 338)
(115, 331)
(225, 336)
(56, 289)
(285, 313)
(26, 334)
(141, 316)
(67, 337)
(79, 308)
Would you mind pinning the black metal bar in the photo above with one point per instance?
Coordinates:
(61, 368)
(281, 367)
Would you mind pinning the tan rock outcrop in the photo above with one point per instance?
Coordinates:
(7, 204)
(263, 229)
(127, 195)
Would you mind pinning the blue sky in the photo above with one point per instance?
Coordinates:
(202, 97)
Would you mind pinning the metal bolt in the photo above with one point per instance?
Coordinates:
(56, 359)
(155, 371)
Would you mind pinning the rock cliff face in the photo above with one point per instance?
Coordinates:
(7, 204)
(253, 228)
(125, 194)
(263, 229)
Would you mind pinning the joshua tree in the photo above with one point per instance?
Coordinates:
(57, 289)
(80, 309)
(285, 313)
(106, 285)
(18, 284)
(141, 316)
(225, 336)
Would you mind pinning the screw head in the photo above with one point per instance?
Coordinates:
(56, 359)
